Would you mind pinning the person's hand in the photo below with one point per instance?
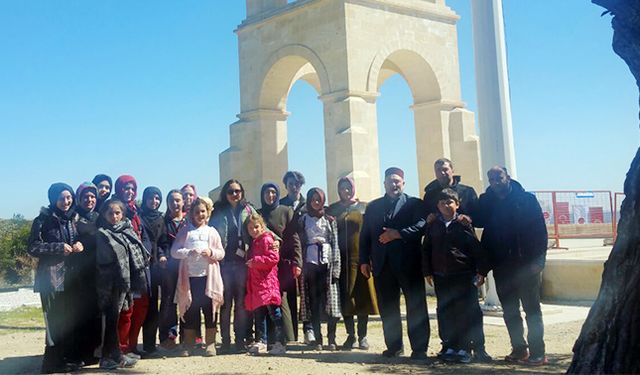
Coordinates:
(163, 261)
(67, 249)
(429, 280)
(206, 252)
(479, 280)
(431, 218)
(77, 247)
(464, 219)
(389, 235)
(193, 252)
(250, 263)
(297, 271)
(275, 246)
(365, 270)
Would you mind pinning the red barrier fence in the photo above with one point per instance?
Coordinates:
(578, 214)
(617, 203)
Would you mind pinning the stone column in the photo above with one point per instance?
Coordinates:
(257, 152)
(492, 85)
(351, 142)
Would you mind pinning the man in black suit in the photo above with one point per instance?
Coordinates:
(390, 243)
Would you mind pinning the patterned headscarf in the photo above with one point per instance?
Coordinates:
(310, 210)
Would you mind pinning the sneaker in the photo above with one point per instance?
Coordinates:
(183, 352)
(390, 353)
(517, 355)
(225, 348)
(239, 347)
(133, 355)
(349, 342)
(332, 347)
(278, 349)
(257, 348)
(317, 347)
(462, 356)
(418, 356)
(440, 354)
(536, 361)
(168, 344)
(449, 355)
(199, 340)
(309, 337)
(127, 362)
(108, 364)
(481, 355)
(363, 343)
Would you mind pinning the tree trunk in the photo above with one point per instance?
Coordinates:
(609, 341)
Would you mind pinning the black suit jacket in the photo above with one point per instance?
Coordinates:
(403, 255)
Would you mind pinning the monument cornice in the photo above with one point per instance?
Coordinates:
(255, 114)
(443, 105)
(342, 95)
(260, 18)
(420, 9)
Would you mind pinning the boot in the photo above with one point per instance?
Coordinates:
(188, 341)
(210, 337)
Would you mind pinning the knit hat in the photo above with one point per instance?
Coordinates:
(394, 170)
(56, 189)
(121, 182)
(84, 187)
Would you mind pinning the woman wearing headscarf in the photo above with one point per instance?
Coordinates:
(81, 278)
(357, 293)
(104, 184)
(280, 220)
(153, 224)
(319, 295)
(52, 239)
(229, 214)
(131, 320)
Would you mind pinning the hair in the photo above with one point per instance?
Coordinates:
(111, 202)
(496, 168)
(201, 201)
(256, 218)
(443, 161)
(447, 194)
(222, 201)
(297, 177)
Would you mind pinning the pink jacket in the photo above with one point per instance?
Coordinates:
(263, 287)
(214, 288)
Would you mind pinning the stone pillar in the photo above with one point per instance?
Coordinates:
(257, 152)
(351, 142)
(492, 85)
(465, 148)
(432, 136)
(255, 7)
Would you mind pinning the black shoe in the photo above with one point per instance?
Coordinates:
(349, 342)
(225, 348)
(390, 353)
(481, 355)
(517, 355)
(240, 348)
(420, 356)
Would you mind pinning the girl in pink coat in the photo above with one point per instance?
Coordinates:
(263, 287)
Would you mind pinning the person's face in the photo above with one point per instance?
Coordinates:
(448, 208)
(345, 191)
(234, 193)
(153, 202)
(499, 181)
(393, 185)
(114, 214)
(188, 196)
(255, 228)
(444, 174)
(270, 196)
(293, 187)
(104, 189)
(88, 201)
(65, 200)
(316, 202)
(129, 192)
(199, 215)
(175, 203)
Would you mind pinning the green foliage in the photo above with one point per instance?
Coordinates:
(25, 318)
(15, 263)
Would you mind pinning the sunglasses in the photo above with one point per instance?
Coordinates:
(233, 192)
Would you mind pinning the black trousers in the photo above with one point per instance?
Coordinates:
(200, 302)
(85, 321)
(458, 311)
(315, 277)
(56, 307)
(168, 316)
(388, 285)
(151, 322)
(516, 285)
(350, 325)
(110, 316)
(234, 277)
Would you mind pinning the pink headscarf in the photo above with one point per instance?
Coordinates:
(352, 199)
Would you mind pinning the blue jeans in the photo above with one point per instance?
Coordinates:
(234, 278)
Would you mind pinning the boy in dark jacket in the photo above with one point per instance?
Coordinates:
(454, 261)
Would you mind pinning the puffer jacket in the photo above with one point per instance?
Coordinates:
(263, 287)
(49, 234)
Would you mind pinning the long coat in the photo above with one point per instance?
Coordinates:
(357, 294)
(332, 304)
(263, 287)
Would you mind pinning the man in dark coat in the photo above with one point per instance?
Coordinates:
(515, 237)
(445, 178)
(390, 247)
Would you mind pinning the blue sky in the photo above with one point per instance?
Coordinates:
(149, 88)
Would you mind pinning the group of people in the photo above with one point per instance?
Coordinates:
(111, 267)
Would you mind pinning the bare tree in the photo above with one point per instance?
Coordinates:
(610, 338)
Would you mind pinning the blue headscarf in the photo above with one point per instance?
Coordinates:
(267, 208)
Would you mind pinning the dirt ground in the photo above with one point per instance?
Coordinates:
(21, 352)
